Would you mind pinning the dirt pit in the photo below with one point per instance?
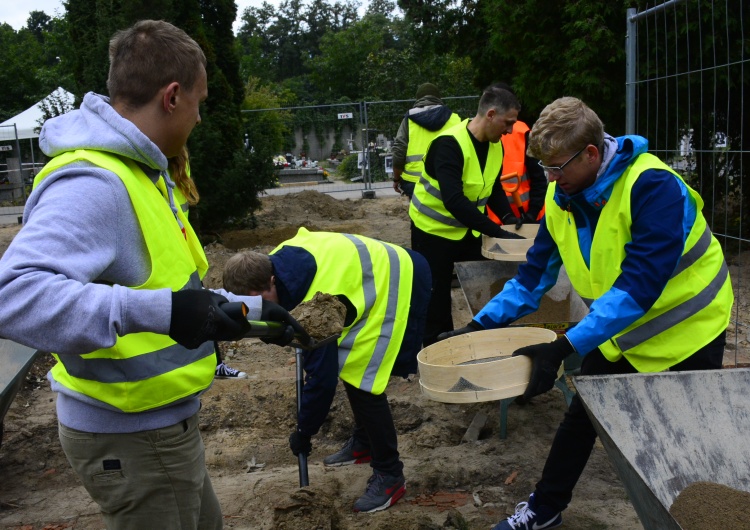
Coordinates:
(246, 423)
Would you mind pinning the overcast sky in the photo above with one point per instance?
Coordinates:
(16, 12)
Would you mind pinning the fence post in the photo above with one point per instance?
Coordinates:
(630, 62)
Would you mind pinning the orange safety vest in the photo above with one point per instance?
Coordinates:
(514, 145)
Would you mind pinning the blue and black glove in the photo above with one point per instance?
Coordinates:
(300, 443)
(546, 359)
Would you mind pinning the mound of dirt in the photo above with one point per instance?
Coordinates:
(281, 216)
(322, 316)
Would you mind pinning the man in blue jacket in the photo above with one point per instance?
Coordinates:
(637, 248)
(385, 290)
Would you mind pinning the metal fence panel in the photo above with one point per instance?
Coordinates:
(349, 141)
(687, 69)
(13, 176)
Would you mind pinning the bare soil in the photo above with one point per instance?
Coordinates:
(246, 423)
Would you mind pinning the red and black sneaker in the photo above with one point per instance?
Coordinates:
(382, 491)
(351, 453)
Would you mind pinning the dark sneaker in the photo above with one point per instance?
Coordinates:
(225, 372)
(528, 516)
(382, 491)
(351, 453)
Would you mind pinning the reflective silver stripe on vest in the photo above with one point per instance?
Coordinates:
(692, 255)
(417, 174)
(429, 188)
(414, 158)
(482, 202)
(432, 214)
(675, 315)
(184, 207)
(136, 368)
(386, 330)
(152, 364)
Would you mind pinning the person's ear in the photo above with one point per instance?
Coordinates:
(169, 98)
(592, 153)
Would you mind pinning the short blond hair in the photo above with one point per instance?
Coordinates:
(564, 126)
(247, 272)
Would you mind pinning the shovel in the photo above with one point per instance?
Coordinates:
(273, 330)
(264, 329)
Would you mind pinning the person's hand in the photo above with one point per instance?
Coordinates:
(300, 443)
(505, 234)
(529, 218)
(510, 219)
(273, 312)
(546, 359)
(197, 317)
(397, 185)
(468, 328)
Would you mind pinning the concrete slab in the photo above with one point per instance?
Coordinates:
(15, 361)
(665, 431)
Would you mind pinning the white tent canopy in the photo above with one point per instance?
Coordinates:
(30, 120)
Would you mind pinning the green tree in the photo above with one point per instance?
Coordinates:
(337, 71)
(265, 133)
(217, 159)
(546, 48)
(276, 44)
(38, 23)
(21, 56)
(257, 58)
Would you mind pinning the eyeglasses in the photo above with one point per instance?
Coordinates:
(557, 171)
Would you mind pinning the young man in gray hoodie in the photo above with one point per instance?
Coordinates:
(106, 274)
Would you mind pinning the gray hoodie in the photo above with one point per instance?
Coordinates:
(63, 278)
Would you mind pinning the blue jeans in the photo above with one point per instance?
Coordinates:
(143, 477)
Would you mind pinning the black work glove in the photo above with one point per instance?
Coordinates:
(300, 443)
(505, 234)
(529, 218)
(510, 219)
(468, 328)
(197, 317)
(546, 359)
(273, 312)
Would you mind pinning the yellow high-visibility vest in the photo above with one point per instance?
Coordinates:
(143, 371)
(419, 141)
(694, 307)
(427, 209)
(376, 277)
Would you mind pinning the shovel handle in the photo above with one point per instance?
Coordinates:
(258, 328)
(301, 458)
